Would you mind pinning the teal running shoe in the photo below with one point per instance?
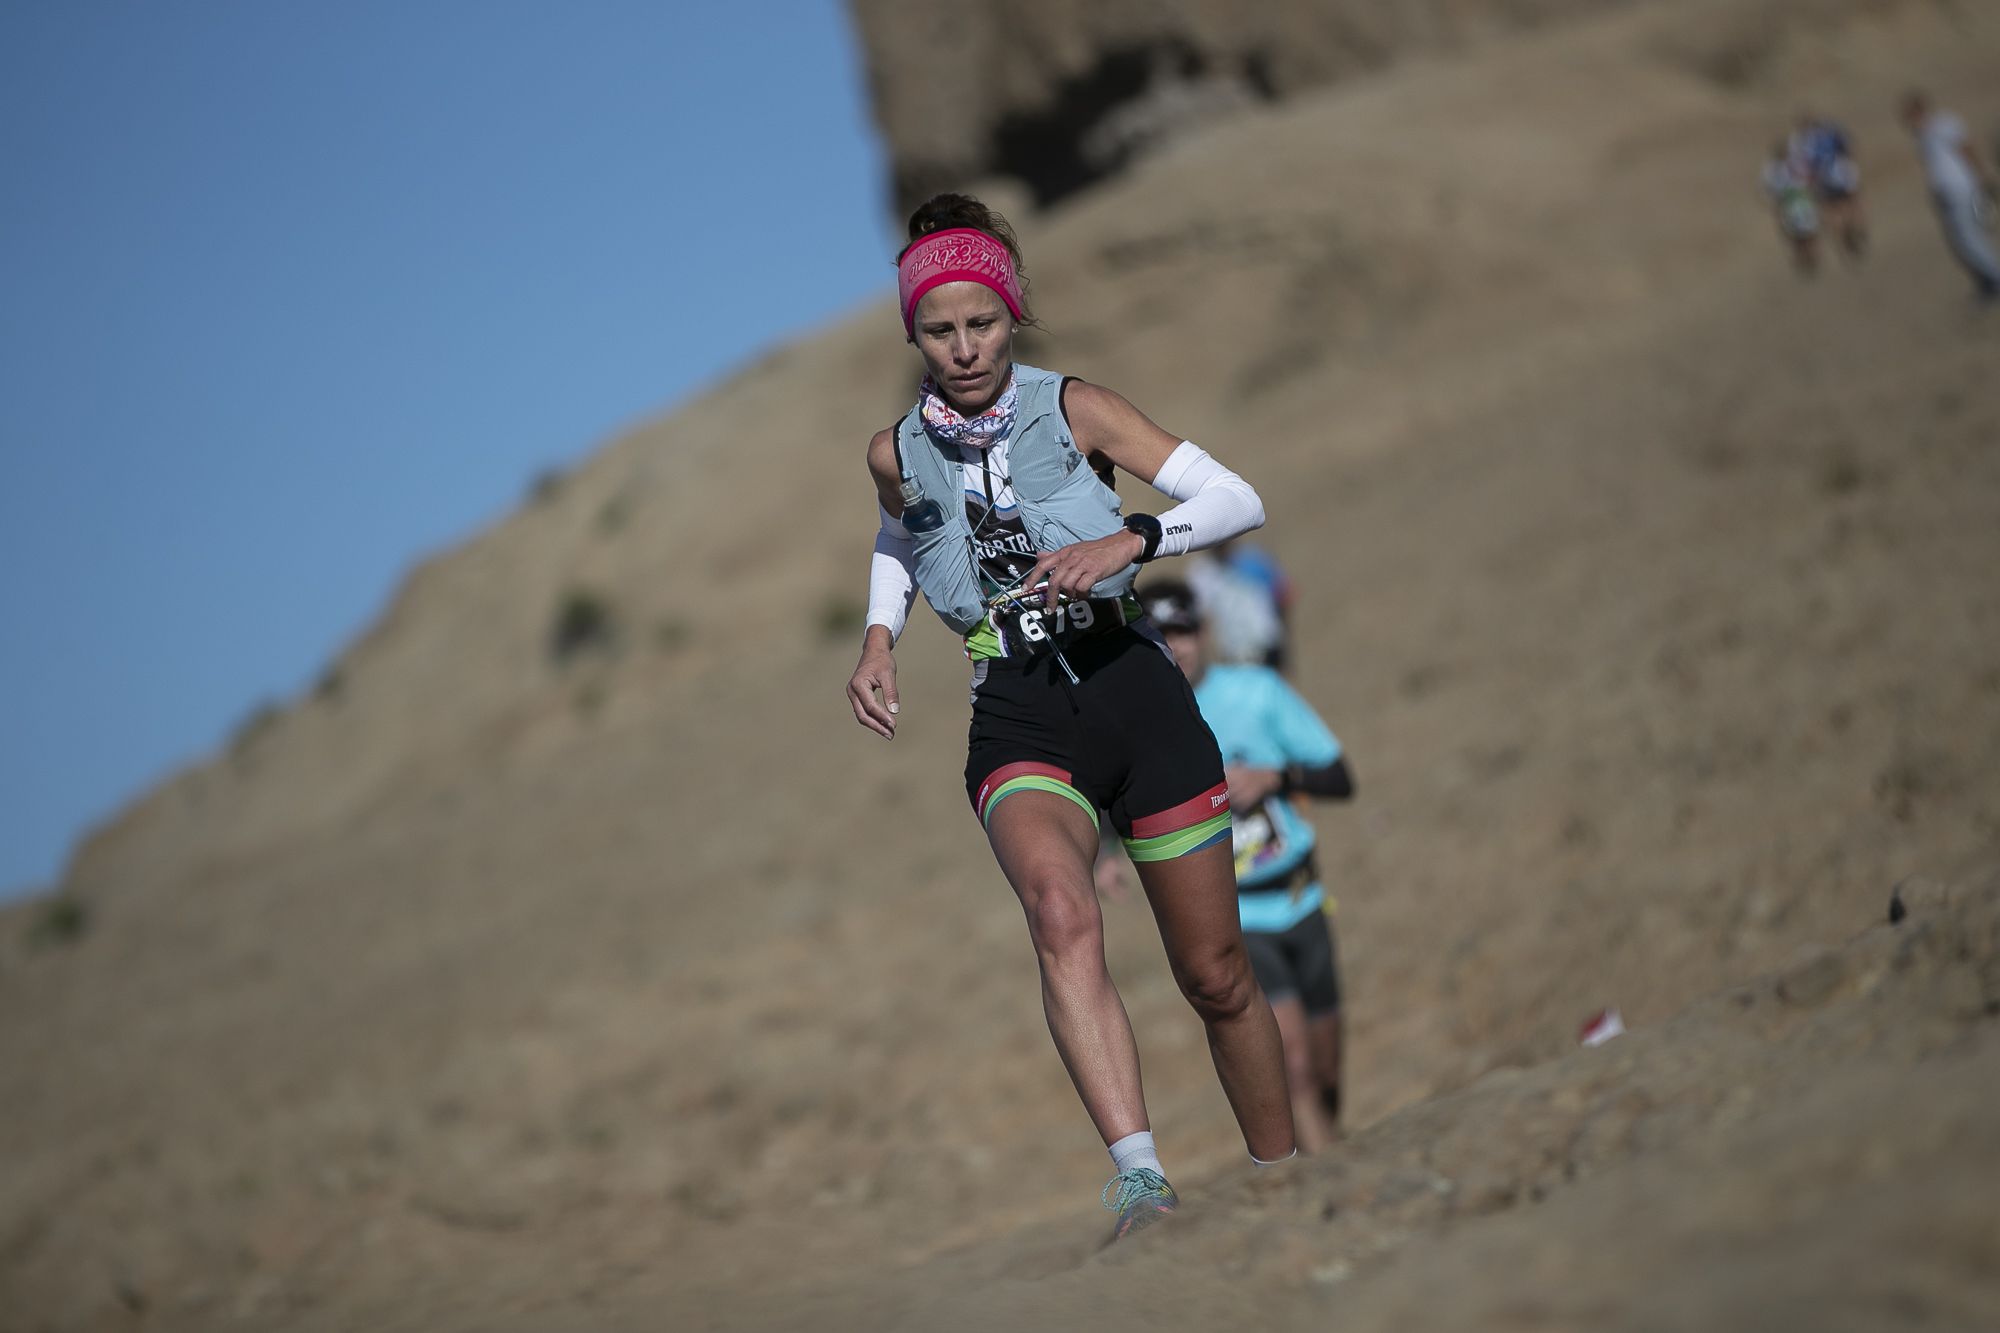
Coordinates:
(1140, 1197)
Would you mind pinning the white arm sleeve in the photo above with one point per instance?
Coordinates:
(1215, 503)
(892, 582)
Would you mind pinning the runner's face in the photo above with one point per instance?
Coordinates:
(967, 340)
(1190, 651)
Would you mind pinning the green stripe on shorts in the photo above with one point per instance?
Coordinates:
(1038, 782)
(1170, 845)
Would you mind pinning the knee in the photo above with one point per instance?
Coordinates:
(1220, 987)
(1064, 924)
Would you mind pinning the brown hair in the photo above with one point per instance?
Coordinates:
(942, 212)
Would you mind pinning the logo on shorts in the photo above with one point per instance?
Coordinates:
(1214, 801)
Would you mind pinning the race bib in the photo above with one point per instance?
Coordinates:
(1028, 630)
(1257, 842)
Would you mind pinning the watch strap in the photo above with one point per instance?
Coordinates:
(1149, 532)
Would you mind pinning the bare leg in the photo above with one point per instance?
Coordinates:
(1194, 902)
(1307, 1118)
(1045, 845)
(1323, 1036)
(1852, 226)
(1805, 254)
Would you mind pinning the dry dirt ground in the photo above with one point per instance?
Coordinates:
(1650, 588)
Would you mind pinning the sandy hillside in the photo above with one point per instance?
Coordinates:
(1650, 588)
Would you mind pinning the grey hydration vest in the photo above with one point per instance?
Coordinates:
(1062, 501)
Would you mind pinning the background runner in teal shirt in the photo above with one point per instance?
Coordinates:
(1274, 748)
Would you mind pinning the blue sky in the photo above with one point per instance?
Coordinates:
(292, 295)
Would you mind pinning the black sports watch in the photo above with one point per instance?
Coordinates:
(1148, 529)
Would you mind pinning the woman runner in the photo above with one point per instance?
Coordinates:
(988, 507)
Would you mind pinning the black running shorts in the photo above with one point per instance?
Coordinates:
(1125, 737)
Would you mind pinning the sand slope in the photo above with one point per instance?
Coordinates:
(1650, 589)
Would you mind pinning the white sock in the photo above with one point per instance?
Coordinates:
(1255, 1160)
(1136, 1150)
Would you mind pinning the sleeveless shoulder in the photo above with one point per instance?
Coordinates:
(1040, 390)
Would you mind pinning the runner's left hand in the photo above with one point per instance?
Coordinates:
(1074, 570)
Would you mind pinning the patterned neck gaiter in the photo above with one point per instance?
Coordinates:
(947, 426)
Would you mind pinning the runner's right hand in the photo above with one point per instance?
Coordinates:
(876, 671)
(1249, 786)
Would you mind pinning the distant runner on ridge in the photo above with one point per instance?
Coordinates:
(1962, 190)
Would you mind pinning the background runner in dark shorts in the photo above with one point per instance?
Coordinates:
(1299, 962)
(1277, 750)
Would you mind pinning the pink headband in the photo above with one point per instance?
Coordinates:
(958, 254)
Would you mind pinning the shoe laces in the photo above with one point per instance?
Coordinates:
(1129, 1187)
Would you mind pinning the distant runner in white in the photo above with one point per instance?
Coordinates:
(1961, 187)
